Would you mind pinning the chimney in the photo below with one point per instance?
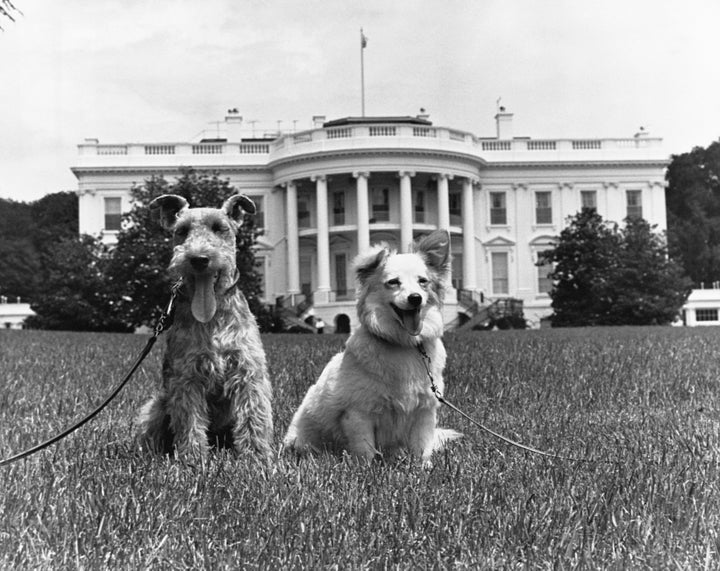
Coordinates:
(233, 125)
(318, 121)
(503, 120)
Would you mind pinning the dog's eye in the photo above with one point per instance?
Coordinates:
(393, 282)
(423, 281)
(181, 232)
(219, 228)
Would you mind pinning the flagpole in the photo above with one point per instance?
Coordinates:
(363, 42)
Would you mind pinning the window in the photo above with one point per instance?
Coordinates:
(500, 272)
(259, 215)
(455, 204)
(420, 206)
(338, 208)
(306, 276)
(588, 199)
(543, 208)
(706, 315)
(341, 288)
(498, 208)
(380, 205)
(634, 204)
(304, 210)
(544, 270)
(113, 213)
(457, 271)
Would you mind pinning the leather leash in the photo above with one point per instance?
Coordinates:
(159, 328)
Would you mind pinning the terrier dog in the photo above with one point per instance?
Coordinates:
(375, 397)
(215, 388)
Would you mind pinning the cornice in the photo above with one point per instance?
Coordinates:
(164, 168)
(660, 163)
(474, 160)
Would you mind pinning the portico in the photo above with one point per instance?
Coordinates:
(349, 211)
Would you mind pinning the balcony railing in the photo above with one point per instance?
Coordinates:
(383, 136)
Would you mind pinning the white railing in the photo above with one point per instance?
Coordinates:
(207, 149)
(254, 148)
(340, 133)
(377, 136)
(541, 145)
(496, 145)
(424, 132)
(383, 131)
(159, 149)
(112, 150)
(587, 144)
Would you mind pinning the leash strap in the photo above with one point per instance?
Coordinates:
(159, 328)
(439, 396)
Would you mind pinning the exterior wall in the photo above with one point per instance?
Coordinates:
(702, 308)
(453, 171)
(13, 315)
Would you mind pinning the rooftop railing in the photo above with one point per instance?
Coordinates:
(377, 136)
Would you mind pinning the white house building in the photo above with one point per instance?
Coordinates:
(326, 193)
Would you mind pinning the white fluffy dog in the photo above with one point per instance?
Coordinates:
(375, 397)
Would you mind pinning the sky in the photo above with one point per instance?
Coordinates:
(125, 71)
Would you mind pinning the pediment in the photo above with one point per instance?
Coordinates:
(545, 240)
(499, 242)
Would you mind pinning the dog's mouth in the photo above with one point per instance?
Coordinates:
(204, 303)
(410, 319)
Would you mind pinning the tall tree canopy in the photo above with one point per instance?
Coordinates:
(693, 205)
(583, 258)
(72, 295)
(605, 275)
(28, 233)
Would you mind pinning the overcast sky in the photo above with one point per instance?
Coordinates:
(163, 71)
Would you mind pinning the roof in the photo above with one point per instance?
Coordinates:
(374, 120)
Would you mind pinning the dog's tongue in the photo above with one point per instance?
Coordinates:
(411, 321)
(203, 302)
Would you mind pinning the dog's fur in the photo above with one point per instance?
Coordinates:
(215, 389)
(375, 397)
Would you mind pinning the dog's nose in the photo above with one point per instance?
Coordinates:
(199, 263)
(415, 299)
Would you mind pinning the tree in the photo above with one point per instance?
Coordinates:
(583, 259)
(650, 288)
(136, 270)
(693, 204)
(19, 260)
(73, 295)
(604, 275)
(27, 232)
(7, 9)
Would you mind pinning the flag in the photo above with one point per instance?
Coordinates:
(363, 39)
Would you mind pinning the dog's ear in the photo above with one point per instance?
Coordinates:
(170, 206)
(367, 263)
(435, 249)
(237, 205)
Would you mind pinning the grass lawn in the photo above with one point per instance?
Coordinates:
(646, 399)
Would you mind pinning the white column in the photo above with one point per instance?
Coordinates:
(293, 244)
(468, 223)
(363, 213)
(443, 201)
(406, 212)
(323, 239)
